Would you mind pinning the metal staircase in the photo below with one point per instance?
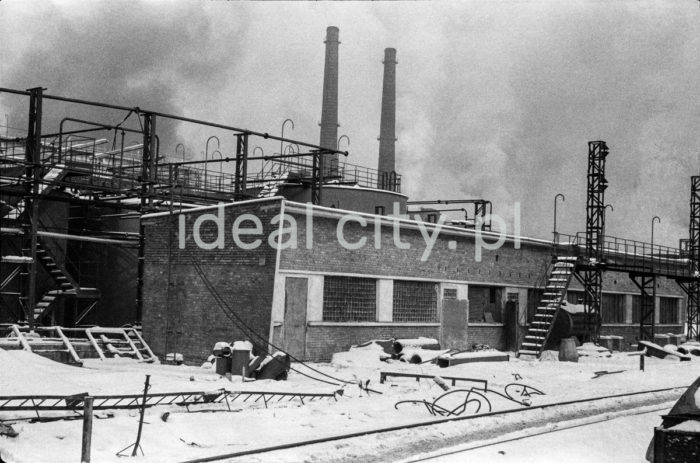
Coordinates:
(271, 187)
(66, 285)
(555, 293)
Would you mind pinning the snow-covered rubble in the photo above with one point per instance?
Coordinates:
(251, 425)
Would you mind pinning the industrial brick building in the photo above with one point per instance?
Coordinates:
(319, 299)
(108, 234)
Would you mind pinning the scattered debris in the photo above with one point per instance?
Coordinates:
(441, 382)
(398, 374)
(191, 444)
(479, 347)
(450, 359)
(655, 350)
(174, 359)
(7, 430)
(598, 374)
(423, 343)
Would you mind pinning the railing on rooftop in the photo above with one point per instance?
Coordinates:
(629, 255)
(90, 162)
(346, 174)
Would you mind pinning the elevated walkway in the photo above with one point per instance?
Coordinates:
(629, 256)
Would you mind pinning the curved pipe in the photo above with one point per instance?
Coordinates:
(341, 138)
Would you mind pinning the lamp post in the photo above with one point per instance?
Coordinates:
(604, 221)
(563, 199)
(206, 156)
(221, 165)
(180, 145)
(341, 138)
(654, 219)
(282, 141)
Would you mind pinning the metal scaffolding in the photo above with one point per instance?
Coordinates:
(71, 167)
(591, 273)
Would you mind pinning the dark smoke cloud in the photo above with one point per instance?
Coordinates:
(124, 53)
(495, 100)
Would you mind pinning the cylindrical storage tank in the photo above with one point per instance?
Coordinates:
(223, 365)
(567, 350)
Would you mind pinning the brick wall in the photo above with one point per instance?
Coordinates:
(492, 334)
(179, 313)
(505, 266)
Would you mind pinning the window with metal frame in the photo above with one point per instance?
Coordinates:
(449, 293)
(636, 308)
(415, 301)
(613, 308)
(668, 310)
(349, 299)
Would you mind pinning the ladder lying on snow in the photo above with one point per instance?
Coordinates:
(554, 294)
(38, 403)
(118, 342)
(121, 342)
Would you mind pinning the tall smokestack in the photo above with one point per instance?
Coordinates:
(329, 110)
(387, 131)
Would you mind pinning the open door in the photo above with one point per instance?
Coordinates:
(294, 328)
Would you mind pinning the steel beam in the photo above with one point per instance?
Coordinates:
(30, 220)
(241, 167)
(647, 287)
(692, 288)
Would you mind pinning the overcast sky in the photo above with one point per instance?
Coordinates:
(496, 100)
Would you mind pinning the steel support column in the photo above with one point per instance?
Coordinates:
(647, 288)
(592, 273)
(692, 288)
(317, 177)
(148, 178)
(241, 166)
(30, 218)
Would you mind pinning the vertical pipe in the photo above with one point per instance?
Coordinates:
(147, 189)
(387, 131)
(329, 109)
(87, 430)
(31, 206)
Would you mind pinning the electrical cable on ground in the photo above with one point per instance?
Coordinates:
(240, 324)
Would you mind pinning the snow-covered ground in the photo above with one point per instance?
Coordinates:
(249, 425)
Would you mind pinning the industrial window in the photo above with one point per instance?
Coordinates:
(379, 210)
(449, 293)
(347, 299)
(415, 301)
(613, 308)
(668, 310)
(432, 218)
(636, 308)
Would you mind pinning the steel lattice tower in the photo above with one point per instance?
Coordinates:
(591, 274)
(692, 288)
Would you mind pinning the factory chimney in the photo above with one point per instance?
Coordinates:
(329, 110)
(387, 131)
